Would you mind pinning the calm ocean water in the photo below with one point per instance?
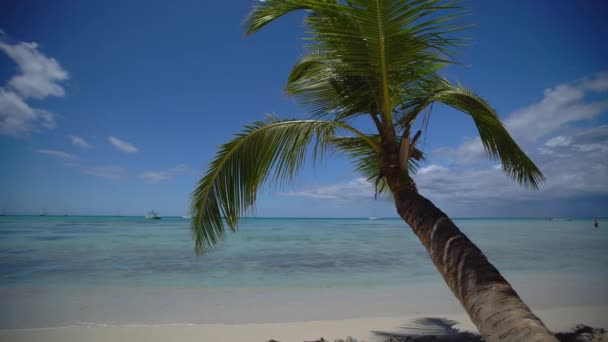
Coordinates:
(130, 251)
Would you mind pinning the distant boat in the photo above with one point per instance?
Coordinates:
(372, 218)
(44, 213)
(187, 217)
(152, 215)
(561, 219)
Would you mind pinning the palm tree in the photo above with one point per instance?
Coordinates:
(377, 59)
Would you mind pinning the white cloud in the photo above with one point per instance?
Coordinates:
(108, 172)
(574, 165)
(470, 150)
(574, 160)
(11, 102)
(122, 145)
(599, 83)
(561, 105)
(78, 141)
(590, 147)
(58, 154)
(433, 168)
(559, 141)
(355, 189)
(158, 176)
(578, 169)
(101, 171)
(38, 77)
(17, 117)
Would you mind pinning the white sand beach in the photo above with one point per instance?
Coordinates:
(558, 319)
(562, 301)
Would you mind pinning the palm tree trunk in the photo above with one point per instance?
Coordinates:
(493, 305)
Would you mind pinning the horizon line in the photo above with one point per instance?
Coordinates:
(316, 217)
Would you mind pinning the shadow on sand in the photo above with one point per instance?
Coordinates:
(443, 330)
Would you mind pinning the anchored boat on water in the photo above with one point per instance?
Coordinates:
(153, 215)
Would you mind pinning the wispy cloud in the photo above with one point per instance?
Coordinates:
(17, 117)
(72, 161)
(101, 171)
(107, 172)
(560, 105)
(560, 140)
(158, 176)
(574, 169)
(430, 169)
(470, 150)
(355, 189)
(38, 78)
(122, 145)
(78, 141)
(573, 158)
(58, 154)
(38, 74)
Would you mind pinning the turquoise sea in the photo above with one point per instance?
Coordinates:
(56, 252)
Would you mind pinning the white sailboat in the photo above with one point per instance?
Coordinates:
(153, 215)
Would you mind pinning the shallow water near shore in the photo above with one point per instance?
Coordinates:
(131, 251)
(58, 271)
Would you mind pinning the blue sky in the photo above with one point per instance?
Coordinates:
(116, 107)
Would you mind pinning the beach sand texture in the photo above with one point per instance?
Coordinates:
(558, 319)
(96, 279)
(280, 314)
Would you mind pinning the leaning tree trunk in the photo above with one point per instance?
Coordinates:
(493, 305)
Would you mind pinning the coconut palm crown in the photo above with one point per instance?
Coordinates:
(373, 58)
(376, 59)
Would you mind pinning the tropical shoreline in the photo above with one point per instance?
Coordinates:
(259, 314)
(557, 319)
(74, 279)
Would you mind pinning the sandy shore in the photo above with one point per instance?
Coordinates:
(283, 314)
(558, 319)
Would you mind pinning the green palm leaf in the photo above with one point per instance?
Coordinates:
(366, 160)
(373, 47)
(373, 57)
(267, 11)
(495, 138)
(265, 149)
(326, 91)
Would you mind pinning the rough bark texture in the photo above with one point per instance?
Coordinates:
(492, 304)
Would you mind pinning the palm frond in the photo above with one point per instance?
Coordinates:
(364, 49)
(399, 38)
(325, 91)
(273, 149)
(495, 138)
(366, 160)
(267, 11)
